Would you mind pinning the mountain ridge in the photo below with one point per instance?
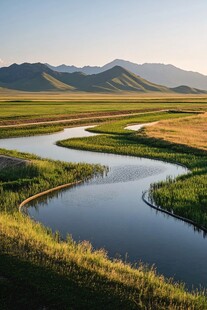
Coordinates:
(39, 77)
(164, 74)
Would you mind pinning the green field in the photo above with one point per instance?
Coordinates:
(37, 268)
(37, 108)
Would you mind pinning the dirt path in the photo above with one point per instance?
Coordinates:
(62, 121)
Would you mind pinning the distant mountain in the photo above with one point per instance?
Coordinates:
(31, 77)
(72, 69)
(167, 75)
(119, 79)
(188, 90)
(39, 77)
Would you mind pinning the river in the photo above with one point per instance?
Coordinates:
(110, 213)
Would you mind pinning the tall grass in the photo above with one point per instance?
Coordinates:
(70, 275)
(20, 182)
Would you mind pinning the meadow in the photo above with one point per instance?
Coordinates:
(19, 107)
(38, 269)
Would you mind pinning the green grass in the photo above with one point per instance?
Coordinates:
(20, 110)
(20, 182)
(115, 127)
(28, 131)
(67, 275)
(118, 127)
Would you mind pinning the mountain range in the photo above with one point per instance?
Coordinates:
(167, 75)
(39, 77)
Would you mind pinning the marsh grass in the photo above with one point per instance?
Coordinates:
(20, 182)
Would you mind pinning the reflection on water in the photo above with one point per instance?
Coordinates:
(110, 213)
(127, 173)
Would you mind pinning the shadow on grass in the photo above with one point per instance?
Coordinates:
(24, 285)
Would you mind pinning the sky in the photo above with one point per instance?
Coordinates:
(95, 32)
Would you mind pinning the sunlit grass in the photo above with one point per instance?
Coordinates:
(118, 127)
(190, 131)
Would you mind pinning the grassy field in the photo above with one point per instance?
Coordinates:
(118, 127)
(193, 129)
(27, 108)
(39, 270)
(55, 96)
(42, 107)
(30, 130)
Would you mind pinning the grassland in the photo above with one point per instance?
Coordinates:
(19, 108)
(118, 127)
(39, 106)
(37, 268)
(193, 129)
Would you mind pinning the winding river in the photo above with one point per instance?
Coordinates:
(109, 211)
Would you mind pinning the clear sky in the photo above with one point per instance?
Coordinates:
(94, 32)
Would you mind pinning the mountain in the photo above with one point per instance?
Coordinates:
(119, 79)
(167, 75)
(31, 77)
(71, 69)
(183, 89)
(39, 77)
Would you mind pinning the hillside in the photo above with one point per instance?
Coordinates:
(38, 77)
(118, 79)
(167, 75)
(31, 77)
(188, 90)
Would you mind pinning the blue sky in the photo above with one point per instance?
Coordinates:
(94, 32)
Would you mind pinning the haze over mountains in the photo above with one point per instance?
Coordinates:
(167, 75)
(39, 77)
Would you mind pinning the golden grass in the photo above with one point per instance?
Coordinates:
(143, 288)
(190, 131)
(10, 94)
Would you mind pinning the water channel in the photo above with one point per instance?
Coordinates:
(109, 211)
